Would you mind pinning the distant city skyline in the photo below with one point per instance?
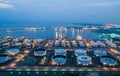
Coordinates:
(62, 11)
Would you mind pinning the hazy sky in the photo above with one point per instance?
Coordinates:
(60, 11)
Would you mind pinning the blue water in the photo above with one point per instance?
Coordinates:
(18, 30)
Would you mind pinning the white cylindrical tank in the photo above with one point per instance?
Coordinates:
(59, 59)
(60, 52)
(56, 43)
(105, 60)
(100, 52)
(63, 43)
(80, 52)
(74, 43)
(101, 44)
(84, 60)
(81, 43)
(94, 44)
(12, 51)
(40, 52)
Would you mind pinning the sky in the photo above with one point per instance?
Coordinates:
(60, 11)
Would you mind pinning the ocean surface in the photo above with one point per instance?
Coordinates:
(47, 32)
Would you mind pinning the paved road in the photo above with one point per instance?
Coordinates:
(41, 68)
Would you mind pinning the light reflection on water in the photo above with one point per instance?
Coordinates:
(48, 33)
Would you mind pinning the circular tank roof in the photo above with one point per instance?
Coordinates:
(84, 58)
(106, 60)
(80, 51)
(17, 44)
(40, 51)
(12, 51)
(59, 59)
(3, 58)
(60, 51)
(100, 52)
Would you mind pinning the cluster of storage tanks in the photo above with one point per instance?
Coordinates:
(102, 44)
(28, 42)
(62, 43)
(8, 52)
(83, 43)
(104, 58)
(97, 44)
(82, 57)
(60, 58)
(74, 43)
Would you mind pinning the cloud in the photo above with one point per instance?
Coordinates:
(103, 4)
(6, 4)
